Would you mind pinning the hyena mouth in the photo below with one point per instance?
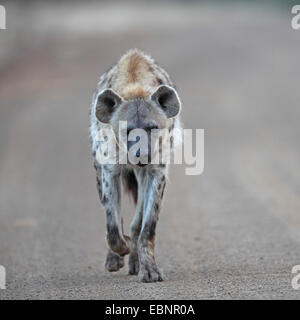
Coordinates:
(142, 164)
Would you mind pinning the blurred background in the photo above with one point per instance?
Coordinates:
(232, 232)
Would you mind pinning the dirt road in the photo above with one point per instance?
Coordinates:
(232, 232)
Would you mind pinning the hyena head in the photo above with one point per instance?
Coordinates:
(157, 111)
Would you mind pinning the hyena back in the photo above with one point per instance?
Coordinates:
(140, 92)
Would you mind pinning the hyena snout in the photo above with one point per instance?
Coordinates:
(139, 142)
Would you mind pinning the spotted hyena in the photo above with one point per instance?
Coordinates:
(138, 91)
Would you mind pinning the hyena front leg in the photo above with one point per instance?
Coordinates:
(110, 196)
(136, 226)
(155, 185)
(114, 262)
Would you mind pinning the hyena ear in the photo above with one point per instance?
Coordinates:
(106, 103)
(167, 98)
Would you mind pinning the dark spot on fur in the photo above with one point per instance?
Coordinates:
(99, 188)
(108, 217)
(152, 230)
(107, 168)
(149, 230)
(159, 81)
(112, 235)
(96, 165)
(159, 187)
(156, 207)
(104, 200)
(109, 83)
(163, 190)
(150, 68)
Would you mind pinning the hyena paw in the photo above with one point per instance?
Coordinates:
(133, 263)
(119, 245)
(114, 262)
(150, 273)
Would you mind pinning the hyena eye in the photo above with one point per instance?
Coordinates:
(167, 99)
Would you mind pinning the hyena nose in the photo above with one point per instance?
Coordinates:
(147, 128)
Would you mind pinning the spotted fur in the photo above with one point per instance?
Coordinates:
(135, 79)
